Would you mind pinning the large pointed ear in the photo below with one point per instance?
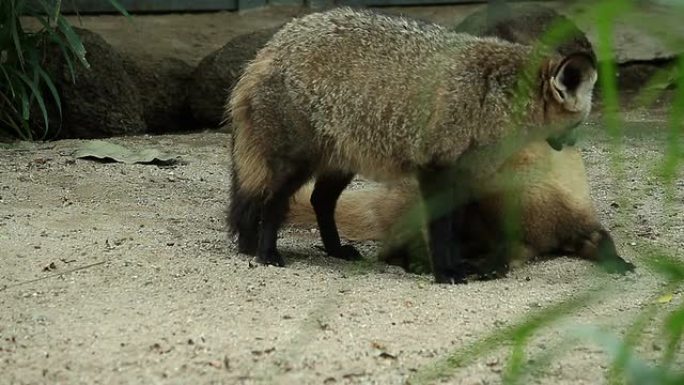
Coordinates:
(572, 81)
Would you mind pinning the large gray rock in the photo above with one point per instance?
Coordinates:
(102, 101)
(217, 73)
(163, 85)
(644, 33)
(524, 23)
(638, 57)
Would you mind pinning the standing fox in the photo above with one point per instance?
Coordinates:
(556, 212)
(346, 92)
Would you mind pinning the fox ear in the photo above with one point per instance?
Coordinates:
(572, 81)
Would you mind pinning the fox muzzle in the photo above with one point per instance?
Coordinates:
(567, 138)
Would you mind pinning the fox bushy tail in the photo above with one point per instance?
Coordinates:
(360, 214)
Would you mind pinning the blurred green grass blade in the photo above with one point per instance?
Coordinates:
(8, 121)
(21, 90)
(120, 8)
(10, 114)
(35, 92)
(663, 24)
(672, 157)
(25, 108)
(49, 11)
(73, 40)
(632, 337)
(516, 363)
(674, 325)
(535, 365)
(75, 8)
(606, 15)
(38, 75)
(654, 88)
(53, 90)
(15, 26)
(15, 127)
(636, 371)
(9, 83)
(445, 367)
(670, 268)
(57, 39)
(66, 55)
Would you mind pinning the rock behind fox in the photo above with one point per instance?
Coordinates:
(346, 92)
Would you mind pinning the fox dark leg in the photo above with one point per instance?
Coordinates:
(483, 242)
(273, 213)
(484, 248)
(411, 254)
(326, 191)
(244, 214)
(398, 255)
(443, 201)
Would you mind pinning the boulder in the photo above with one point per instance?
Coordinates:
(633, 76)
(100, 101)
(525, 23)
(163, 85)
(217, 73)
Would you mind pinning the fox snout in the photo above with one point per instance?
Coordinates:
(567, 138)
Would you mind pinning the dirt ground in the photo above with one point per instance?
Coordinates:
(163, 297)
(123, 274)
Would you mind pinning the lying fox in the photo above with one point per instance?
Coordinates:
(345, 92)
(556, 214)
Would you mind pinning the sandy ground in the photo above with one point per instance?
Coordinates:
(169, 301)
(123, 274)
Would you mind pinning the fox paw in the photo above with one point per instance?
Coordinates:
(271, 258)
(450, 276)
(491, 275)
(491, 271)
(346, 252)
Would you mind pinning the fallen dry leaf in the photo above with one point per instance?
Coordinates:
(665, 298)
(105, 151)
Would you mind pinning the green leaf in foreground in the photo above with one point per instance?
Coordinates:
(120, 8)
(74, 41)
(636, 371)
(446, 367)
(38, 95)
(674, 326)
